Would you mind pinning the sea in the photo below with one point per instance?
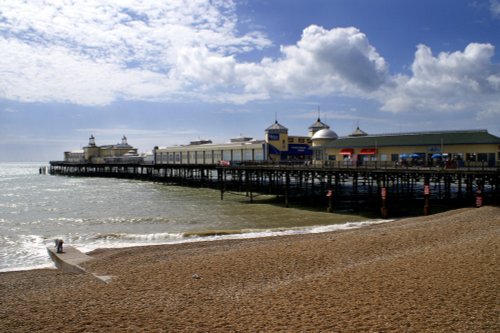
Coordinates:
(91, 213)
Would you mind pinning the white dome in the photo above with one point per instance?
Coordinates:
(325, 133)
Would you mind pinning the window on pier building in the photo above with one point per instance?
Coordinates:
(236, 155)
(247, 155)
(482, 157)
(217, 155)
(258, 155)
(318, 155)
(470, 157)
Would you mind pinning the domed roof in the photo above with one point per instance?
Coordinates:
(325, 133)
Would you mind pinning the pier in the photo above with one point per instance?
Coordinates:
(387, 189)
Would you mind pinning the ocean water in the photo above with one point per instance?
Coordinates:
(91, 213)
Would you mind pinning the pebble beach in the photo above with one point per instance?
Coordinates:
(437, 273)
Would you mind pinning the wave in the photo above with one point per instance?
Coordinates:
(23, 252)
(227, 233)
(29, 251)
(257, 233)
(126, 240)
(137, 237)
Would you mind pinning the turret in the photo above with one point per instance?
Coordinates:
(277, 140)
(358, 132)
(317, 126)
(92, 141)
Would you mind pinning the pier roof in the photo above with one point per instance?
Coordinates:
(417, 139)
(277, 127)
(318, 125)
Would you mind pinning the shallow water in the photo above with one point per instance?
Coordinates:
(91, 213)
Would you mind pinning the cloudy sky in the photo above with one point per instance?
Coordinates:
(167, 72)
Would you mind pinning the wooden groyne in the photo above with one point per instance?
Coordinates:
(388, 189)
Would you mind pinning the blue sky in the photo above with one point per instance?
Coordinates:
(168, 72)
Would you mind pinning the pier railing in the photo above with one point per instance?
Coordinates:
(328, 165)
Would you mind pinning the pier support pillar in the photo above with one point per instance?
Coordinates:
(329, 195)
(427, 194)
(383, 210)
(287, 187)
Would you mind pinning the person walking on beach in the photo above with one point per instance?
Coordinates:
(59, 245)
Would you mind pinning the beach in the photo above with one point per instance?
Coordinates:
(437, 273)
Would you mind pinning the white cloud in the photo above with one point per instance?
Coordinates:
(457, 81)
(118, 131)
(44, 74)
(93, 53)
(323, 62)
(495, 8)
(9, 110)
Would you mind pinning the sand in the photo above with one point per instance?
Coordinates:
(428, 274)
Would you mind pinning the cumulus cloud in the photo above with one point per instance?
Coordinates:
(91, 52)
(456, 81)
(340, 60)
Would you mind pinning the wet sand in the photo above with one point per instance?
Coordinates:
(428, 274)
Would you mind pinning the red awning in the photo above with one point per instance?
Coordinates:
(368, 151)
(346, 151)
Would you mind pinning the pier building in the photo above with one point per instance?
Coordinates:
(92, 153)
(321, 147)
(205, 152)
(74, 156)
(277, 146)
(438, 148)
(284, 147)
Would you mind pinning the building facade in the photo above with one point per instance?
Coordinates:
(206, 152)
(322, 146)
(277, 146)
(451, 148)
(92, 153)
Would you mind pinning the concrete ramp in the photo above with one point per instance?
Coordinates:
(70, 259)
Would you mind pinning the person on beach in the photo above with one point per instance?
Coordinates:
(59, 245)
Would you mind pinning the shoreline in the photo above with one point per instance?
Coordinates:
(420, 274)
(159, 239)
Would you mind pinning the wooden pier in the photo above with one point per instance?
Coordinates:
(385, 188)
